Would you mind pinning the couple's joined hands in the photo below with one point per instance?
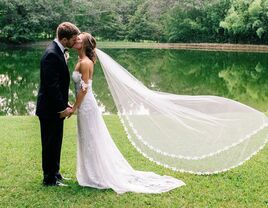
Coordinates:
(68, 112)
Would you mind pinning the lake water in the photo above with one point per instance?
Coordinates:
(237, 75)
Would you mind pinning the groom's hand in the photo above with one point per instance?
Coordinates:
(71, 113)
(66, 112)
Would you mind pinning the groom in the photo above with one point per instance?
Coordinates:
(52, 102)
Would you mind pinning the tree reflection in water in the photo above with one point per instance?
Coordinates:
(239, 76)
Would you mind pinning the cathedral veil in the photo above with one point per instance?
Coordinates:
(196, 134)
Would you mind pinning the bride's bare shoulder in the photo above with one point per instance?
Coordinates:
(86, 62)
(86, 65)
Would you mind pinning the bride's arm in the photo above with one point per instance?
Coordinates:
(86, 68)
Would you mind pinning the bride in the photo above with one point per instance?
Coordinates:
(99, 162)
(201, 134)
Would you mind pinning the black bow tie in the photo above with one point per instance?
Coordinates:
(65, 50)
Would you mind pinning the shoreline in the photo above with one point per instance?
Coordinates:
(191, 46)
(151, 45)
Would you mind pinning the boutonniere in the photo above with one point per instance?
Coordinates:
(66, 54)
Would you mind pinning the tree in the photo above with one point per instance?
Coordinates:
(147, 21)
(27, 20)
(247, 21)
(242, 21)
(183, 23)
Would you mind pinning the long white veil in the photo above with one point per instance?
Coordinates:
(196, 134)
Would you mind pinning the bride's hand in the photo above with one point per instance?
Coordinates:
(71, 112)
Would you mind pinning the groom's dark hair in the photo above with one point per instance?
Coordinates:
(67, 30)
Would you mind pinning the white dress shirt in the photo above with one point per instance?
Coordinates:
(62, 49)
(59, 44)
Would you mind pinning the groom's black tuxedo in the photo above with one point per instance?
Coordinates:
(54, 83)
(52, 98)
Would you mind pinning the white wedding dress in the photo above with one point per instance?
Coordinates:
(99, 162)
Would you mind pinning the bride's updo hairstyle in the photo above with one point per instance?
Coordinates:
(89, 44)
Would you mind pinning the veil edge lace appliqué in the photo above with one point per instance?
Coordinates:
(195, 134)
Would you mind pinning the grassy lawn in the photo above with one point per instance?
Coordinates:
(20, 175)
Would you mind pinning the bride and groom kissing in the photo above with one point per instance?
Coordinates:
(100, 164)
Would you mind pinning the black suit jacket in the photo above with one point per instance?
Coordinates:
(54, 83)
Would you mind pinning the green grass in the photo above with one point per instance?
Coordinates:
(21, 176)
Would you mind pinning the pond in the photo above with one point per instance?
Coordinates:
(240, 76)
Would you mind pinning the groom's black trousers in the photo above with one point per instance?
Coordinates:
(51, 137)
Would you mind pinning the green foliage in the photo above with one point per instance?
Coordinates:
(140, 27)
(192, 21)
(156, 20)
(180, 26)
(147, 21)
(28, 20)
(246, 21)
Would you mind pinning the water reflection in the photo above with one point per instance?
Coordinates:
(18, 80)
(5, 80)
(239, 76)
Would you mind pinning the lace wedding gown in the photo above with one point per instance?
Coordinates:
(99, 162)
